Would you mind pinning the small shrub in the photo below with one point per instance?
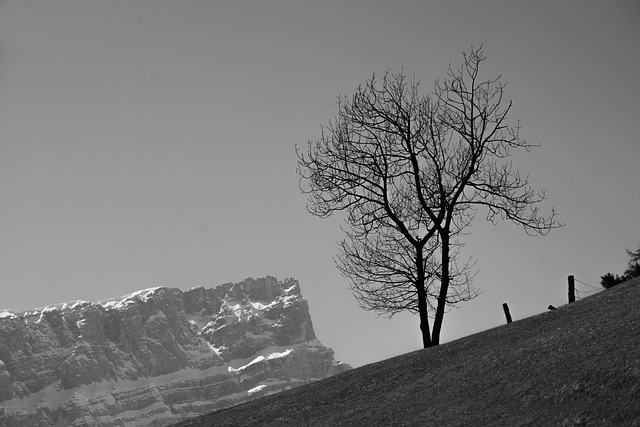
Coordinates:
(609, 280)
(633, 270)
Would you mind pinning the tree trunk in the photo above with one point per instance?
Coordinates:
(444, 289)
(422, 300)
(424, 317)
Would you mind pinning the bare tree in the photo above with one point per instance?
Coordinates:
(410, 171)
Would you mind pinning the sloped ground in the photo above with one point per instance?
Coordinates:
(578, 365)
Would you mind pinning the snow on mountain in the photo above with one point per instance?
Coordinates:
(157, 356)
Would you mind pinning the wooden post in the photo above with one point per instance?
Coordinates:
(572, 290)
(505, 307)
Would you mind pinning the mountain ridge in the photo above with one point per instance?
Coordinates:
(157, 355)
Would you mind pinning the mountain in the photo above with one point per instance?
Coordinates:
(577, 365)
(157, 356)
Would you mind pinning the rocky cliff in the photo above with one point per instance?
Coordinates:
(157, 356)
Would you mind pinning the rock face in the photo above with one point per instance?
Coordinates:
(157, 356)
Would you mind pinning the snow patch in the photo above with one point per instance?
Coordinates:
(278, 355)
(290, 288)
(214, 349)
(257, 389)
(259, 306)
(261, 358)
(124, 301)
(289, 300)
(73, 304)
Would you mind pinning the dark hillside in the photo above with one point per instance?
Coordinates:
(577, 365)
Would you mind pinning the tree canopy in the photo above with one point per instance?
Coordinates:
(410, 170)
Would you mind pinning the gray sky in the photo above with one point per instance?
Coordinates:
(147, 143)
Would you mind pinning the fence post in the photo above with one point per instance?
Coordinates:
(505, 307)
(572, 290)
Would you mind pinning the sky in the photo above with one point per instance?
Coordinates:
(152, 143)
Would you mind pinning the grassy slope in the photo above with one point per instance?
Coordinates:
(578, 365)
